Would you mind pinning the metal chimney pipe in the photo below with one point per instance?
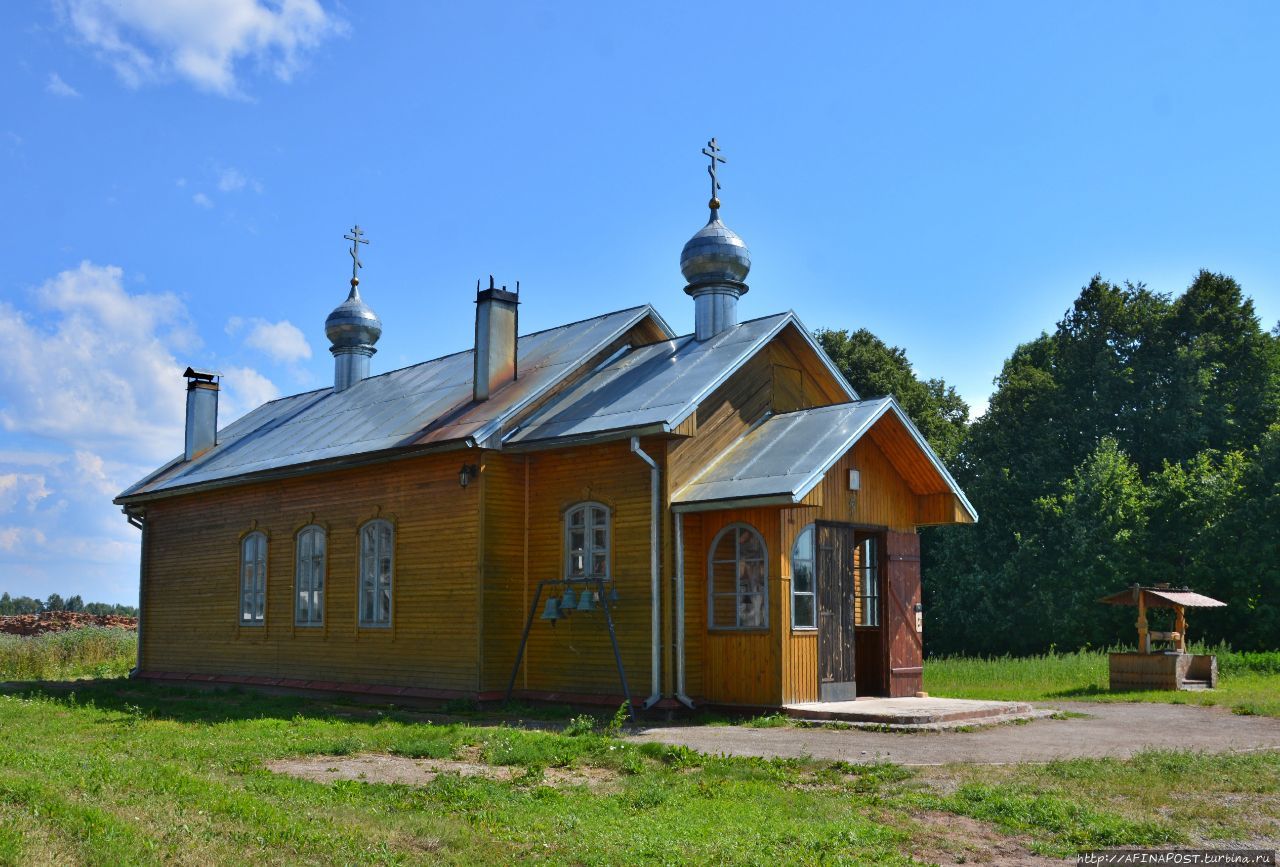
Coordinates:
(202, 411)
(497, 326)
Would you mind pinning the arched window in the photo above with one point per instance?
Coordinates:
(804, 614)
(739, 579)
(253, 579)
(377, 544)
(586, 541)
(309, 577)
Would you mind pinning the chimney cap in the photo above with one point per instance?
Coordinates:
(202, 375)
(496, 294)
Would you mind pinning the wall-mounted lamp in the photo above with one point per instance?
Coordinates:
(467, 473)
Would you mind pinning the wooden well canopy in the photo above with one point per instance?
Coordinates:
(1162, 596)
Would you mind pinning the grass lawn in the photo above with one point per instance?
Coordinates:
(1248, 683)
(124, 772)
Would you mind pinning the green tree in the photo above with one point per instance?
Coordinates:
(875, 369)
(1185, 390)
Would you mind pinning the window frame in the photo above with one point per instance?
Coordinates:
(737, 594)
(589, 549)
(812, 529)
(313, 620)
(258, 617)
(868, 576)
(390, 556)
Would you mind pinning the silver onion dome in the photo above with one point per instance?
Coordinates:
(353, 323)
(715, 254)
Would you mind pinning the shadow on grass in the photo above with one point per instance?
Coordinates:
(221, 704)
(1080, 692)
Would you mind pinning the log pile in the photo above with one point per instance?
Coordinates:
(59, 621)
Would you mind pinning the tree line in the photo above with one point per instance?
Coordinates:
(29, 605)
(1139, 441)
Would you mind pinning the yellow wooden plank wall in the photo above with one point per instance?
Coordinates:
(736, 667)
(885, 499)
(799, 647)
(575, 654)
(505, 597)
(191, 595)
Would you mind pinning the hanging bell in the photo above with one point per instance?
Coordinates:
(586, 602)
(552, 611)
(613, 595)
(570, 600)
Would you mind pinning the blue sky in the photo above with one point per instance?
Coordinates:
(178, 177)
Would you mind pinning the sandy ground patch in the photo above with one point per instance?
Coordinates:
(946, 839)
(384, 768)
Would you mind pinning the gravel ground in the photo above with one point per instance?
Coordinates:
(1112, 729)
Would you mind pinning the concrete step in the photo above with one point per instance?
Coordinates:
(915, 713)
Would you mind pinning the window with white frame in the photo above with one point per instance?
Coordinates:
(867, 603)
(739, 579)
(253, 579)
(586, 541)
(377, 543)
(804, 612)
(309, 577)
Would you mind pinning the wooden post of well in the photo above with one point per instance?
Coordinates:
(1180, 626)
(1144, 645)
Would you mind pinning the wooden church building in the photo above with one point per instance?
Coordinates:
(598, 510)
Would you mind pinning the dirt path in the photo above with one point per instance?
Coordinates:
(1112, 729)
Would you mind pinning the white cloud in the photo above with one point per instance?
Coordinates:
(58, 87)
(98, 369)
(15, 538)
(202, 200)
(21, 486)
(244, 389)
(200, 40)
(91, 399)
(281, 340)
(101, 371)
(231, 180)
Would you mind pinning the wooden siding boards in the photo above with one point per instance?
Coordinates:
(741, 667)
(574, 655)
(192, 582)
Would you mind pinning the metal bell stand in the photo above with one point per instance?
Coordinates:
(569, 584)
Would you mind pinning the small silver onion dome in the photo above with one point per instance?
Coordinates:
(353, 323)
(715, 254)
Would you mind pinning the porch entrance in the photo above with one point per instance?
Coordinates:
(850, 581)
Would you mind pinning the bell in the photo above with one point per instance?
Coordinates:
(552, 611)
(569, 601)
(613, 595)
(586, 603)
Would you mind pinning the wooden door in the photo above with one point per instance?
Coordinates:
(903, 641)
(835, 591)
(868, 631)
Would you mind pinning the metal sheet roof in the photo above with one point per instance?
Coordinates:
(655, 385)
(1166, 597)
(784, 458)
(426, 404)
